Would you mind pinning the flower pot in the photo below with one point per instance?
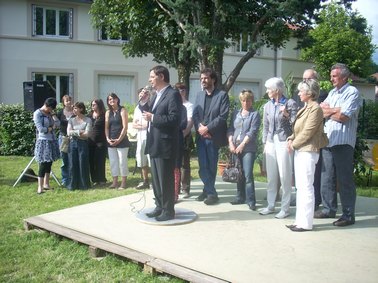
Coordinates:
(221, 166)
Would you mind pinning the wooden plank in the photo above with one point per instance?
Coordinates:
(183, 272)
(150, 264)
(96, 252)
(89, 240)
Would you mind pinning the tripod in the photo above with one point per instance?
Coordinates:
(25, 174)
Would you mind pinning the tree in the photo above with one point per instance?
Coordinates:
(195, 33)
(341, 35)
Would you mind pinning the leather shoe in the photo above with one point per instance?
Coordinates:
(252, 206)
(154, 213)
(321, 214)
(236, 202)
(211, 199)
(297, 229)
(201, 197)
(165, 216)
(291, 226)
(341, 222)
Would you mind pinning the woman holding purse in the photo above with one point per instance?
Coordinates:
(242, 140)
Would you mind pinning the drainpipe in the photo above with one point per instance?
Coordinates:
(275, 61)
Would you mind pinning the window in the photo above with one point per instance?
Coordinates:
(61, 84)
(52, 22)
(242, 45)
(103, 35)
(119, 84)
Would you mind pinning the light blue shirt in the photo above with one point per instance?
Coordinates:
(339, 133)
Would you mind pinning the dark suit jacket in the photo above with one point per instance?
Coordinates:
(218, 113)
(162, 138)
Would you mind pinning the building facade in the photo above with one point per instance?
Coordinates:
(54, 41)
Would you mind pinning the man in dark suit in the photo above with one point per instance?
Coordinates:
(162, 141)
(210, 121)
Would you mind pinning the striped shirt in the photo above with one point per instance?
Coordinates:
(339, 133)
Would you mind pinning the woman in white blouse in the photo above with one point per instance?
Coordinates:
(78, 130)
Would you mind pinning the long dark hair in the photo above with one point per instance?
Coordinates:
(100, 105)
(113, 95)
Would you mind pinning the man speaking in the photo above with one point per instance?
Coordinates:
(162, 141)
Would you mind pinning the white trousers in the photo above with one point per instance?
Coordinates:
(278, 169)
(304, 168)
(142, 159)
(118, 161)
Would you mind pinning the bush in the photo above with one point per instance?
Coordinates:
(367, 120)
(17, 130)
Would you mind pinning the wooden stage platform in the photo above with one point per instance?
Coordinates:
(225, 243)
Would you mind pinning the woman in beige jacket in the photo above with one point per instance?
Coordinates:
(307, 139)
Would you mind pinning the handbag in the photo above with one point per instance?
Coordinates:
(65, 143)
(233, 173)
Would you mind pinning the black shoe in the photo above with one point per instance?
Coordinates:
(201, 197)
(342, 222)
(252, 206)
(143, 185)
(237, 201)
(211, 199)
(165, 216)
(297, 229)
(291, 226)
(154, 213)
(321, 214)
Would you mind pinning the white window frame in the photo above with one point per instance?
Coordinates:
(238, 47)
(119, 40)
(57, 30)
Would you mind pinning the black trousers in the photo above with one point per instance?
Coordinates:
(163, 183)
(97, 158)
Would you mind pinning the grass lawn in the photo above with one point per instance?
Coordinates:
(34, 256)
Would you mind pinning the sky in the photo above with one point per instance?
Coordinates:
(369, 10)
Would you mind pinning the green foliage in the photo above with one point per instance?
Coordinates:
(367, 120)
(367, 129)
(259, 106)
(17, 131)
(289, 85)
(360, 170)
(194, 34)
(340, 36)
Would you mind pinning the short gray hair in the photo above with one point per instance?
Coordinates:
(276, 84)
(311, 87)
(344, 71)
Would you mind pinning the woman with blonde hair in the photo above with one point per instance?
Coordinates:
(242, 140)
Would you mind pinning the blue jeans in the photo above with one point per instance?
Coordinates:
(337, 168)
(79, 164)
(246, 187)
(65, 165)
(208, 161)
